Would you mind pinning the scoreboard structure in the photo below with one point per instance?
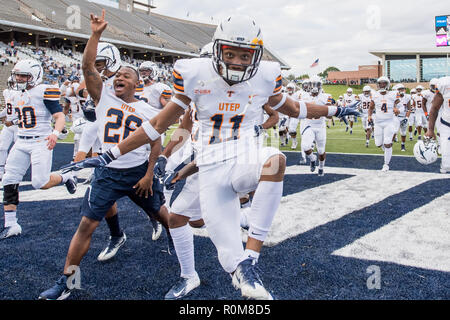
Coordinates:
(442, 26)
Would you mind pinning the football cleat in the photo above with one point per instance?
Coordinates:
(247, 279)
(71, 184)
(59, 291)
(351, 131)
(321, 173)
(415, 132)
(419, 138)
(294, 144)
(183, 287)
(367, 144)
(313, 165)
(403, 148)
(11, 231)
(410, 138)
(113, 246)
(385, 168)
(302, 161)
(346, 129)
(157, 229)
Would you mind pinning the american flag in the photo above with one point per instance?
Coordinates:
(315, 64)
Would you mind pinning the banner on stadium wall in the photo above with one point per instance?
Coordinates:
(442, 26)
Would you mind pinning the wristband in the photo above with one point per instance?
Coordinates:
(150, 131)
(282, 101)
(332, 111)
(179, 103)
(303, 110)
(56, 133)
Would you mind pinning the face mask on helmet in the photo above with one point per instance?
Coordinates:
(237, 34)
(147, 74)
(314, 91)
(26, 74)
(383, 85)
(306, 86)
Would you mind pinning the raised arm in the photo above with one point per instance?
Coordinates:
(94, 83)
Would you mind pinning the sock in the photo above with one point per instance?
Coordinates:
(264, 207)
(321, 164)
(387, 155)
(367, 141)
(183, 241)
(10, 218)
(114, 227)
(65, 177)
(248, 253)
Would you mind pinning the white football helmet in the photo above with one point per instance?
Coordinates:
(433, 85)
(349, 91)
(367, 90)
(306, 85)
(401, 89)
(316, 82)
(151, 67)
(413, 91)
(78, 125)
(241, 32)
(425, 151)
(207, 50)
(109, 53)
(383, 84)
(419, 88)
(290, 88)
(30, 68)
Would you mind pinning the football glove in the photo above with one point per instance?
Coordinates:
(160, 167)
(347, 111)
(167, 180)
(89, 111)
(94, 162)
(258, 130)
(404, 122)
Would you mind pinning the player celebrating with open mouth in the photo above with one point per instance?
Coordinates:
(229, 94)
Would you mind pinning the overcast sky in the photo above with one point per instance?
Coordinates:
(339, 34)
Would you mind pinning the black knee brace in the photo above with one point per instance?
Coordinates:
(11, 194)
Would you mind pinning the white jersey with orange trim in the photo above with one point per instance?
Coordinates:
(419, 103)
(8, 95)
(35, 108)
(226, 114)
(75, 105)
(403, 105)
(384, 105)
(427, 94)
(320, 99)
(349, 99)
(365, 103)
(116, 120)
(153, 93)
(444, 89)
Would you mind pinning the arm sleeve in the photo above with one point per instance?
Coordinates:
(51, 99)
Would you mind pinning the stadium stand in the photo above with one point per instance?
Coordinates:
(138, 32)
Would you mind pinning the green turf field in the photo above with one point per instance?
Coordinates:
(339, 90)
(340, 141)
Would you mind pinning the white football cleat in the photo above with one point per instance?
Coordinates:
(248, 280)
(157, 229)
(294, 144)
(183, 287)
(385, 168)
(11, 231)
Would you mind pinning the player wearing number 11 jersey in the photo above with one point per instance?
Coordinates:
(228, 92)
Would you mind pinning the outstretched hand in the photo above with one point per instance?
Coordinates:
(98, 24)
